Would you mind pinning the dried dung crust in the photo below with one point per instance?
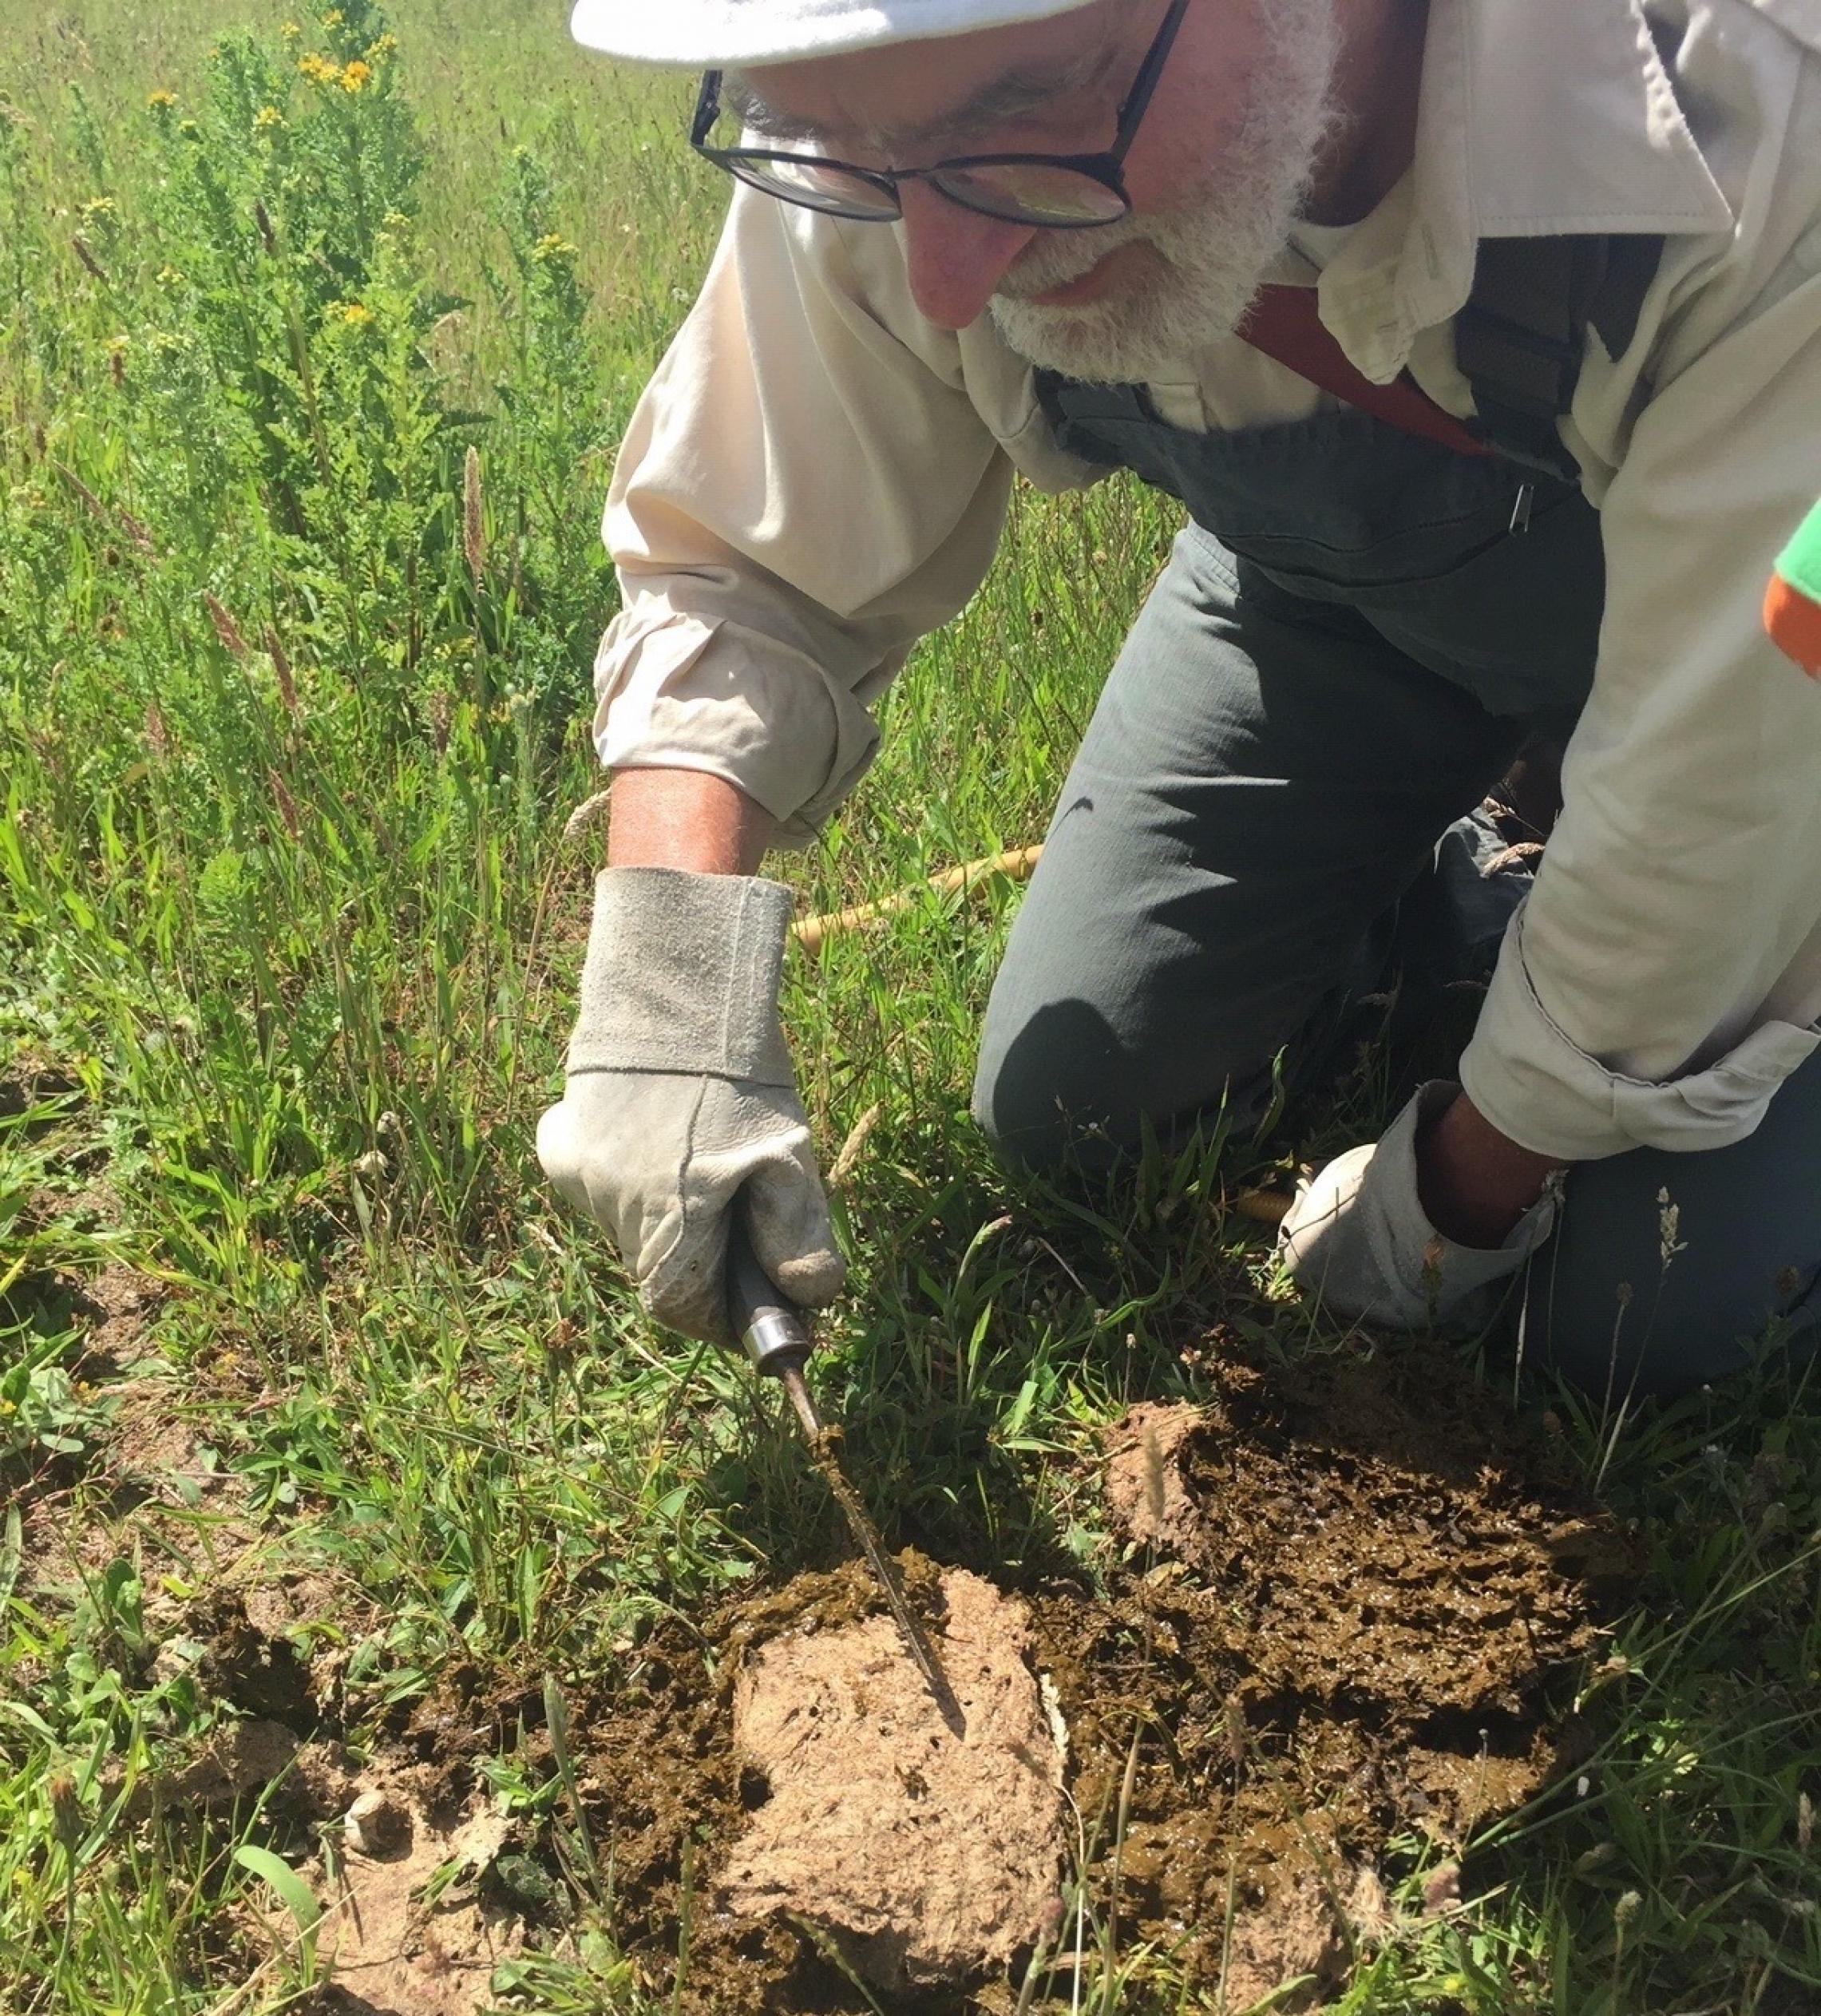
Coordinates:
(925, 1856)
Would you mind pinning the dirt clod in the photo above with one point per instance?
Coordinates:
(265, 1676)
(239, 1758)
(924, 1856)
(323, 1780)
(378, 1824)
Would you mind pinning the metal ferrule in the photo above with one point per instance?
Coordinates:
(771, 1340)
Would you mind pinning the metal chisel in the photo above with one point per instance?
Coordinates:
(775, 1337)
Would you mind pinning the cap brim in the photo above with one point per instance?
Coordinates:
(738, 34)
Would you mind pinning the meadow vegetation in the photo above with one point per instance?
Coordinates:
(316, 336)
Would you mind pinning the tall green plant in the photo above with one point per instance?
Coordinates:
(281, 688)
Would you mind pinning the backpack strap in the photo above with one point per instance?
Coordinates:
(1520, 340)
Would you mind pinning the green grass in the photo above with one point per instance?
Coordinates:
(287, 937)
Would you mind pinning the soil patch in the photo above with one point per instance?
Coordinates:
(1354, 1604)
(392, 1947)
(121, 1304)
(926, 1856)
(391, 1940)
(145, 1481)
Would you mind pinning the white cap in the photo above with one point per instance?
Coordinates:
(735, 34)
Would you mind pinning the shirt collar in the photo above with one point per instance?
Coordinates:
(1538, 118)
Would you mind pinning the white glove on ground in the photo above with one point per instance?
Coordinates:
(1357, 1237)
(680, 1094)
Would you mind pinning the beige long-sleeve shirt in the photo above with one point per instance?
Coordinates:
(817, 476)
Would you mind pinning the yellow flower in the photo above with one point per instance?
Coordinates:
(318, 71)
(396, 220)
(162, 100)
(168, 276)
(356, 77)
(290, 31)
(333, 17)
(353, 313)
(551, 246)
(379, 50)
(97, 206)
(266, 118)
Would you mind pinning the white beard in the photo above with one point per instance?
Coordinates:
(1217, 245)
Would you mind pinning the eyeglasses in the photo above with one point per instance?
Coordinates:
(1053, 191)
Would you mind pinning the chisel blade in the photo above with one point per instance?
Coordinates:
(825, 1446)
(775, 1337)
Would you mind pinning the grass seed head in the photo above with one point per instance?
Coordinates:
(226, 628)
(286, 805)
(854, 1146)
(585, 814)
(473, 527)
(281, 668)
(135, 532)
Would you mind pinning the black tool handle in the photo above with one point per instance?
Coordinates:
(768, 1325)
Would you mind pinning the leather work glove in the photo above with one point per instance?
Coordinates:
(680, 1094)
(1357, 1237)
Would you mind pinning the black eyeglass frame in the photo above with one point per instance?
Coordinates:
(1107, 168)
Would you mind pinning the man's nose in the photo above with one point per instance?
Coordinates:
(955, 257)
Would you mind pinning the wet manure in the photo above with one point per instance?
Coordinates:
(1386, 1541)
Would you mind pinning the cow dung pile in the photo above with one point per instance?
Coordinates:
(1343, 1605)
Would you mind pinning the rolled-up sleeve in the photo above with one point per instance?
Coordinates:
(1665, 977)
(804, 491)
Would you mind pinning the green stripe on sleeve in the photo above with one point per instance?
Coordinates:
(1800, 562)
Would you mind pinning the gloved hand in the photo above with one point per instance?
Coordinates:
(680, 1094)
(1357, 1237)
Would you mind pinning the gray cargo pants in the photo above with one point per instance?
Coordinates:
(1251, 828)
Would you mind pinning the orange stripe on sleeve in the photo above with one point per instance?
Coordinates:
(1795, 623)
